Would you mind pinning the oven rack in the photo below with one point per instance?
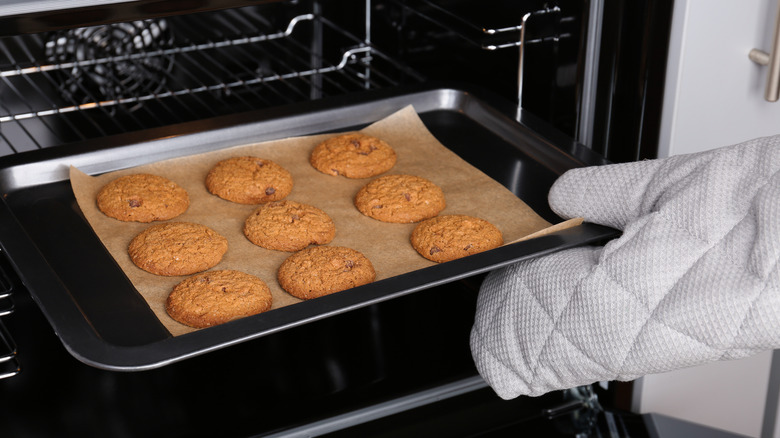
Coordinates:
(349, 56)
(175, 70)
(498, 37)
(71, 85)
(515, 35)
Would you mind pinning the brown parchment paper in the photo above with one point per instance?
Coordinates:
(467, 191)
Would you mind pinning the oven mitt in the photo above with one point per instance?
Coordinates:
(693, 278)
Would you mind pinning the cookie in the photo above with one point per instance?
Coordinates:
(216, 297)
(451, 237)
(177, 248)
(249, 180)
(353, 155)
(142, 198)
(289, 226)
(322, 270)
(400, 199)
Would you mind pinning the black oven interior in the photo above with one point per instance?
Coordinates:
(73, 83)
(402, 368)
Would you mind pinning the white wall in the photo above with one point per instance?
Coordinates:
(714, 93)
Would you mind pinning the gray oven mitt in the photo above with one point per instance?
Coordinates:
(693, 278)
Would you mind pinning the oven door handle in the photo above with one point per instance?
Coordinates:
(772, 59)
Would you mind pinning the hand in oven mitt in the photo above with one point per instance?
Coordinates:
(693, 279)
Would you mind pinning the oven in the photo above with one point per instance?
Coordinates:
(521, 90)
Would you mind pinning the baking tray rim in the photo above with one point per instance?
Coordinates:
(85, 344)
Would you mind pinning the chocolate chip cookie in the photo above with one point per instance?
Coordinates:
(353, 155)
(400, 199)
(249, 180)
(216, 297)
(142, 198)
(177, 248)
(322, 270)
(451, 237)
(289, 226)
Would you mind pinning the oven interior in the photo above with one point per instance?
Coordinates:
(68, 84)
(63, 84)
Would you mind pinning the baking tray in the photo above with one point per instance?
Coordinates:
(104, 322)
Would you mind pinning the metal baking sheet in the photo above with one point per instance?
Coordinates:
(103, 321)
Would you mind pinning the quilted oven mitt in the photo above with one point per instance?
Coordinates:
(693, 278)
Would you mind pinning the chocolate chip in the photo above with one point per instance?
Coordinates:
(408, 196)
(135, 203)
(468, 247)
(355, 143)
(377, 206)
(434, 250)
(295, 217)
(371, 148)
(260, 163)
(335, 172)
(270, 191)
(349, 264)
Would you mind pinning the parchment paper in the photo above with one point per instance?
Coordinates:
(467, 191)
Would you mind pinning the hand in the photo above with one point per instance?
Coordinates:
(693, 279)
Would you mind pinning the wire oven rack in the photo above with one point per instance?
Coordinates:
(91, 82)
(82, 83)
